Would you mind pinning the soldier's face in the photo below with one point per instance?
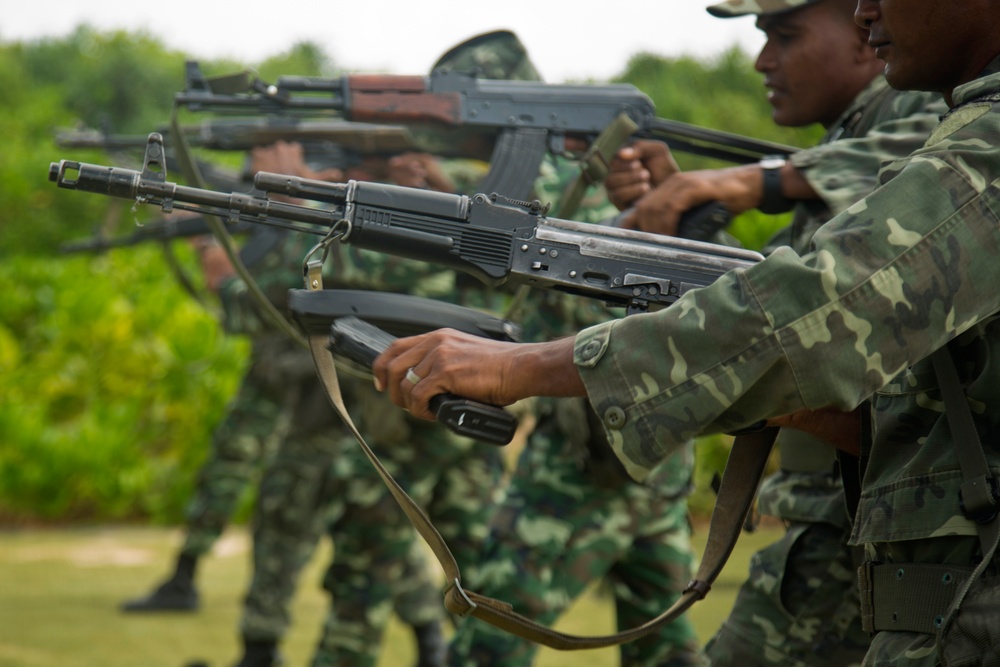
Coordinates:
(811, 64)
(929, 44)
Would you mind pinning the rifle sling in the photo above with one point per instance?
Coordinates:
(979, 486)
(596, 164)
(743, 471)
(182, 277)
(193, 174)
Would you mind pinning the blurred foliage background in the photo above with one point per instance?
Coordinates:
(114, 376)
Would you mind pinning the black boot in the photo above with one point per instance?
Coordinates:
(431, 648)
(175, 594)
(259, 654)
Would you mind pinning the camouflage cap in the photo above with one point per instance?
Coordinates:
(492, 55)
(731, 8)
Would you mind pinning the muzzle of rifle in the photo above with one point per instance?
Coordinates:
(110, 181)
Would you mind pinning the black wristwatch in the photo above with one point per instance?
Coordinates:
(773, 201)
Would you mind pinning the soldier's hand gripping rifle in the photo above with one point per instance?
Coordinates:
(492, 238)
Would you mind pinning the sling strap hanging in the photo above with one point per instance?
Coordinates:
(192, 173)
(744, 468)
(979, 495)
(927, 597)
(596, 163)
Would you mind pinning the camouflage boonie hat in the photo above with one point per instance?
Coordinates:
(492, 55)
(731, 8)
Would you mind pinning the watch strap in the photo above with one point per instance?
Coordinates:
(773, 201)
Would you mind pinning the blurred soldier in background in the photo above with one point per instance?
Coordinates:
(299, 486)
(257, 420)
(454, 479)
(295, 491)
(571, 516)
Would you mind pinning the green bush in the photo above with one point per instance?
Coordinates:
(113, 378)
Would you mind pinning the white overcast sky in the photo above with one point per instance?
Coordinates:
(566, 40)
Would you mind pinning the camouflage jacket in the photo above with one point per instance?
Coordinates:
(895, 277)
(881, 124)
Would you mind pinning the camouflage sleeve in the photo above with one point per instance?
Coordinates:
(891, 280)
(843, 171)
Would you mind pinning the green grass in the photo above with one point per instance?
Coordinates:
(60, 589)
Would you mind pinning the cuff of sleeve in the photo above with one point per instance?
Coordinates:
(609, 394)
(591, 344)
(805, 159)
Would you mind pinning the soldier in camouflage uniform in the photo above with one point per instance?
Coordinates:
(892, 293)
(454, 479)
(571, 516)
(316, 482)
(799, 605)
(257, 419)
(279, 415)
(450, 482)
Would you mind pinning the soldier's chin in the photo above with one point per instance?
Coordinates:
(782, 115)
(902, 78)
(779, 108)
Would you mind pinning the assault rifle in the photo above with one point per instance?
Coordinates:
(511, 123)
(490, 237)
(325, 143)
(242, 134)
(328, 143)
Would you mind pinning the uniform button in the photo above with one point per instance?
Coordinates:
(614, 418)
(591, 349)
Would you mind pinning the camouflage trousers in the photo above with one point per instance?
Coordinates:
(256, 421)
(455, 481)
(799, 605)
(559, 530)
(320, 481)
(289, 516)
